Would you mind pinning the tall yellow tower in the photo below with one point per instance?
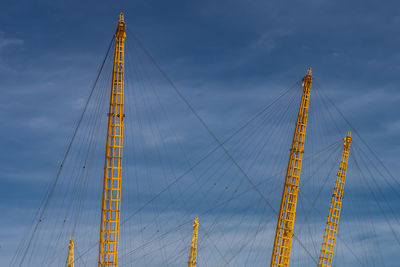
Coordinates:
(332, 224)
(111, 202)
(287, 210)
(193, 247)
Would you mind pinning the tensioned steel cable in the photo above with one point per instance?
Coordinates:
(372, 164)
(362, 139)
(200, 161)
(363, 153)
(140, 120)
(190, 221)
(323, 97)
(374, 197)
(216, 148)
(220, 144)
(314, 202)
(361, 156)
(204, 157)
(280, 121)
(84, 129)
(50, 193)
(54, 242)
(374, 232)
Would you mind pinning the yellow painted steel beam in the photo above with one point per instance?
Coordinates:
(111, 201)
(287, 210)
(193, 247)
(70, 260)
(332, 224)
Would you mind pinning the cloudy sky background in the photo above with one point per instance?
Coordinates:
(229, 59)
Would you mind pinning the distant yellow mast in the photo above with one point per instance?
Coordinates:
(111, 201)
(193, 247)
(328, 243)
(70, 260)
(287, 210)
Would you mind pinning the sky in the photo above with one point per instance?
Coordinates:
(224, 56)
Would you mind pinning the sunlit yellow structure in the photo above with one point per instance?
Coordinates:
(193, 247)
(111, 201)
(287, 210)
(70, 260)
(328, 243)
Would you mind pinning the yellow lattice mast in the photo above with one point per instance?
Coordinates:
(287, 210)
(328, 243)
(193, 247)
(111, 202)
(70, 260)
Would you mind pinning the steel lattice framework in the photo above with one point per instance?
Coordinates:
(111, 202)
(328, 243)
(193, 247)
(287, 210)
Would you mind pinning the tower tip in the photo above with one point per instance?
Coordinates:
(347, 139)
(71, 242)
(309, 71)
(121, 17)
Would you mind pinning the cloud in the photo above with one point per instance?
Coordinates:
(269, 40)
(7, 41)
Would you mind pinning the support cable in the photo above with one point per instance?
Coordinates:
(362, 140)
(376, 200)
(211, 133)
(47, 198)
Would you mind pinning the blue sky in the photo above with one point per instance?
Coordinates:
(229, 58)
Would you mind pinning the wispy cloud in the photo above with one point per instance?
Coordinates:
(7, 41)
(269, 40)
